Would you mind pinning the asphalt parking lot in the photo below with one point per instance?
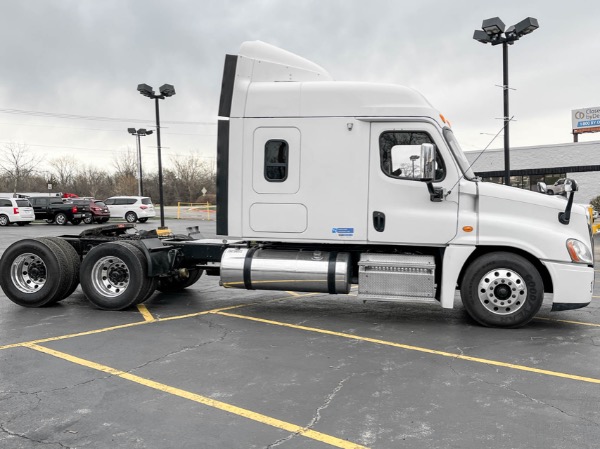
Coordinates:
(216, 368)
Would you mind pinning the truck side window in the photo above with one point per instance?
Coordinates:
(276, 160)
(400, 153)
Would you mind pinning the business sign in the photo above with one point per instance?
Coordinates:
(585, 120)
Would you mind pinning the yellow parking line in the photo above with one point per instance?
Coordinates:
(245, 413)
(120, 326)
(581, 323)
(145, 313)
(418, 349)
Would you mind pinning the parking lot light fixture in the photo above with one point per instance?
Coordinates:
(139, 133)
(166, 90)
(493, 31)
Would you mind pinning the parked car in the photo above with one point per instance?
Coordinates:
(99, 211)
(131, 208)
(54, 210)
(15, 210)
(558, 188)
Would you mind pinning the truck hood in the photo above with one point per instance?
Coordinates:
(527, 220)
(555, 202)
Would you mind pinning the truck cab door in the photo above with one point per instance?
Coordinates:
(401, 210)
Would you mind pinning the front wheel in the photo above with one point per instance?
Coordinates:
(130, 217)
(502, 290)
(88, 220)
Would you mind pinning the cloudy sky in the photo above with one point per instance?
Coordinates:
(69, 68)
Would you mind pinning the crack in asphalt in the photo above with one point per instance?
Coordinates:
(211, 325)
(18, 435)
(519, 393)
(317, 416)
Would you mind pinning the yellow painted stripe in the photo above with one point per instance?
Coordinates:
(245, 413)
(581, 323)
(419, 349)
(121, 326)
(145, 313)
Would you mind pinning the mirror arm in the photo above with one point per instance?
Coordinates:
(436, 194)
(565, 217)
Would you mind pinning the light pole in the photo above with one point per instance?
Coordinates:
(138, 133)
(413, 158)
(166, 90)
(493, 32)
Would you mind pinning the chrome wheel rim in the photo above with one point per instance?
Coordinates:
(3, 220)
(60, 219)
(502, 291)
(28, 273)
(110, 276)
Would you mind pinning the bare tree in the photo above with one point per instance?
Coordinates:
(192, 173)
(63, 170)
(90, 181)
(125, 164)
(18, 163)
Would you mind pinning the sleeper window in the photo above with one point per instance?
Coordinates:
(400, 153)
(276, 160)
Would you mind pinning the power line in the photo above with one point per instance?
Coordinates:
(98, 129)
(96, 118)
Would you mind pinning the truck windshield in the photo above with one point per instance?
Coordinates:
(458, 154)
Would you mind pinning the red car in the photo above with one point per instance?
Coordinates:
(99, 210)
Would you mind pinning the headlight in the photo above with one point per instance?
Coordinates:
(579, 252)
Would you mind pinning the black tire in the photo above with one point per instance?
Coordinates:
(143, 220)
(131, 217)
(76, 221)
(60, 219)
(550, 192)
(502, 290)
(4, 221)
(126, 276)
(72, 258)
(34, 273)
(88, 220)
(147, 290)
(176, 283)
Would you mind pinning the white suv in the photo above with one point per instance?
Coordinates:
(15, 210)
(132, 208)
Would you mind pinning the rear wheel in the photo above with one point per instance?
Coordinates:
(113, 277)
(60, 219)
(34, 273)
(72, 258)
(177, 283)
(502, 290)
(130, 217)
(4, 221)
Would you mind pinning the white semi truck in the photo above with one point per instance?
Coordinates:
(323, 184)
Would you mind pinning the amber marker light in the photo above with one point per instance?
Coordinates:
(468, 228)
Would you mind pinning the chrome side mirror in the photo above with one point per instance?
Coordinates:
(542, 187)
(427, 161)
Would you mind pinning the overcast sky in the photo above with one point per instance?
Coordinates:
(86, 58)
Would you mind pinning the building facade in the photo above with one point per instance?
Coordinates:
(544, 163)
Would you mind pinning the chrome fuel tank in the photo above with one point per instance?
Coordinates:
(297, 270)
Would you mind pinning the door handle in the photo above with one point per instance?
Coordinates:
(379, 221)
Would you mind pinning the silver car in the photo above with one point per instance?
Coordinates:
(558, 188)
